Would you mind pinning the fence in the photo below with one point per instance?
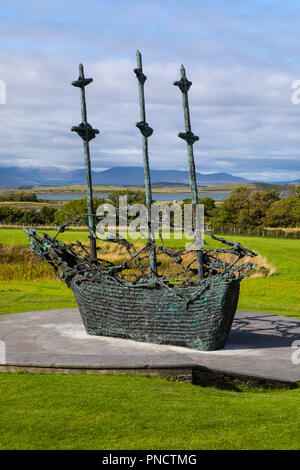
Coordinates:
(256, 232)
(42, 227)
(250, 232)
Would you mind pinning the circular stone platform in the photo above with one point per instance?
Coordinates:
(260, 346)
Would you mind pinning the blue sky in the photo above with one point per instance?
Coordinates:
(242, 57)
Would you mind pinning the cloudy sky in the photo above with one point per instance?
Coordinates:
(242, 57)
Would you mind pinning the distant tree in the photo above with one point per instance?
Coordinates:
(31, 217)
(47, 215)
(134, 196)
(259, 203)
(76, 208)
(244, 208)
(137, 196)
(227, 212)
(284, 213)
(208, 202)
(10, 215)
(294, 190)
(18, 196)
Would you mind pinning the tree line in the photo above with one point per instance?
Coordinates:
(20, 196)
(243, 209)
(246, 209)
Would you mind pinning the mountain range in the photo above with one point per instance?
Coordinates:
(116, 176)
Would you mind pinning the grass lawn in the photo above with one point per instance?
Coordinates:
(16, 236)
(51, 411)
(28, 204)
(278, 294)
(25, 296)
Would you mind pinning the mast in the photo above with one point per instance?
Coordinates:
(87, 133)
(184, 84)
(146, 132)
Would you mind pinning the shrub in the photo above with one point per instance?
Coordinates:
(74, 209)
(284, 213)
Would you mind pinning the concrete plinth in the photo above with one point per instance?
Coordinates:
(260, 347)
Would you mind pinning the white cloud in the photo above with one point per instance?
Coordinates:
(240, 99)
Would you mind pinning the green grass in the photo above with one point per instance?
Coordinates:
(279, 294)
(51, 411)
(167, 189)
(30, 204)
(16, 236)
(26, 296)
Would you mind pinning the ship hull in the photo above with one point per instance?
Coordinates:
(196, 317)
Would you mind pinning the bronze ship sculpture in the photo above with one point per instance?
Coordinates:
(193, 307)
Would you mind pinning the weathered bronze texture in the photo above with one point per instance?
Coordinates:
(184, 85)
(189, 307)
(167, 310)
(87, 133)
(146, 132)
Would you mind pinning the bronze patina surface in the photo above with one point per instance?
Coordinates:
(193, 306)
(166, 309)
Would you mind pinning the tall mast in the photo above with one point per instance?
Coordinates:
(87, 133)
(146, 132)
(184, 84)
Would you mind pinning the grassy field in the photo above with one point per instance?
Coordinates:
(28, 205)
(25, 296)
(102, 189)
(157, 188)
(18, 237)
(278, 294)
(50, 411)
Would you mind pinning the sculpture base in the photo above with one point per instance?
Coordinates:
(258, 350)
